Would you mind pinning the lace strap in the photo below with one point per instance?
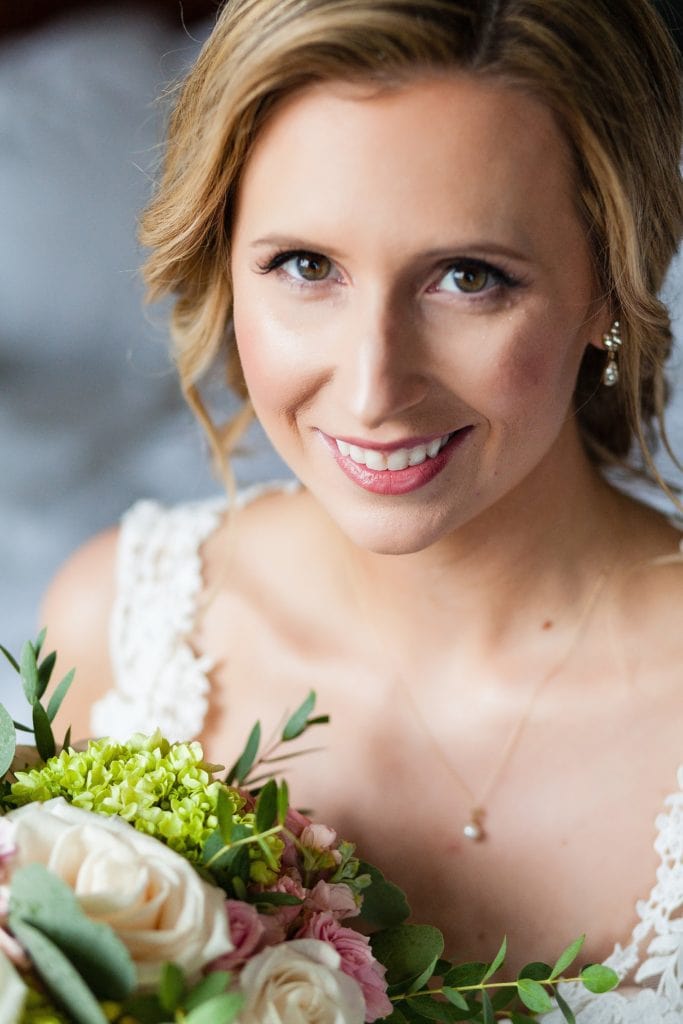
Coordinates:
(159, 682)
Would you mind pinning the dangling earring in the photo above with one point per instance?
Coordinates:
(612, 343)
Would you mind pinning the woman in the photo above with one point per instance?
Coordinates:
(430, 239)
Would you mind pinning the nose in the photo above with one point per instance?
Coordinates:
(386, 367)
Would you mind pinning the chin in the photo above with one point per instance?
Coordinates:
(392, 532)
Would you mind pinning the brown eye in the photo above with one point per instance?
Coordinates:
(312, 267)
(470, 278)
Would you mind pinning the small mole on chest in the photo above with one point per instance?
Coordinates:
(548, 624)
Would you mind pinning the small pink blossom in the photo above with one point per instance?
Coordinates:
(318, 837)
(290, 884)
(356, 960)
(296, 822)
(247, 933)
(334, 897)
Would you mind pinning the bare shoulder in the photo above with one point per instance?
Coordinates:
(76, 610)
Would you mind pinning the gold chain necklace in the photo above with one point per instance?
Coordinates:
(474, 829)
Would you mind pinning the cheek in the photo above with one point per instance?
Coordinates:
(275, 362)
(531, 374)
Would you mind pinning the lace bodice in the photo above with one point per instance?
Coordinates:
(160, 681)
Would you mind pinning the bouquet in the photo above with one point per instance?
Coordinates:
(136, 887)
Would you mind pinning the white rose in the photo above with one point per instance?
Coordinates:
(12, 992)
(299, 982)
(149, 895)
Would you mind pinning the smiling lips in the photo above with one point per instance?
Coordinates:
(395, 470)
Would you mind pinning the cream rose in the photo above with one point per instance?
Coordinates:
(149, 895)
(12, 992)
(299, 982)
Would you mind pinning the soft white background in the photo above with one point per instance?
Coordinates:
(90, 415)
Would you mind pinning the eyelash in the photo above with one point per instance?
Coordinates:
(500, 278)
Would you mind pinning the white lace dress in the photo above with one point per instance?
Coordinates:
(161, 682)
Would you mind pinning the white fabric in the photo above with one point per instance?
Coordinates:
(160, 681)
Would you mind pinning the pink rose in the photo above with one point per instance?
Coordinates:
(247, 933)
(334, 897)
(356, 960)
(318, 837)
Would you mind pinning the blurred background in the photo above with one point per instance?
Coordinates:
(90, 413)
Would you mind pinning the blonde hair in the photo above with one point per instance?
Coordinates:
(608, 71)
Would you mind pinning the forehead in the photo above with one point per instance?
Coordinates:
(445, 149)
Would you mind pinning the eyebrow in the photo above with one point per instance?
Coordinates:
(444, 252)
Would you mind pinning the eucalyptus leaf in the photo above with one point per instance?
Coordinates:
(45, 741)
(266, 806)
(455, 997)
(534, 996)
(429, 1008)
(224, 815)
(213, 984)
(423, 977)
(40, 640)
(245, 761)
(282, 802)
(466, 974)
(29, 672)
(59, 694)
(384, 904)
(171, 987)
(488, 1015)
(565, 1008)
(521, 1018)
(45, 902)
(537, 971)
(298, 722)
(497, 960)
(8, 740)
(13, 661)
(223, 1008)
(59, 975)
(407, 950)
(598, 979)
(567, 957)
(22, 728)
(45, 671)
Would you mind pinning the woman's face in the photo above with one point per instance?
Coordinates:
(413, 293)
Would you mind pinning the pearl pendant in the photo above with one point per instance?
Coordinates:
(474, 829)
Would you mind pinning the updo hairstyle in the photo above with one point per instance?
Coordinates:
(608, 71)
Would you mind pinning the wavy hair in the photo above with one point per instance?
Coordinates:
(608, 71)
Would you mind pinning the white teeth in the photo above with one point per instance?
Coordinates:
(417, 455)
(399, 459)
(375, 459)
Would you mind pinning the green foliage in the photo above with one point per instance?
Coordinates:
(35, 676)
(42, 901)
(384, 904)
(598, 979)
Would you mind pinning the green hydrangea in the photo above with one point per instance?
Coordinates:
(164, 789)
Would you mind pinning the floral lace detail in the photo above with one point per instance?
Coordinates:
(160, 681)
(659, 931)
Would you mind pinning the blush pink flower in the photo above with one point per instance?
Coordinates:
(334, 897)
(247, 932)
(356, 960)
(290, 884)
